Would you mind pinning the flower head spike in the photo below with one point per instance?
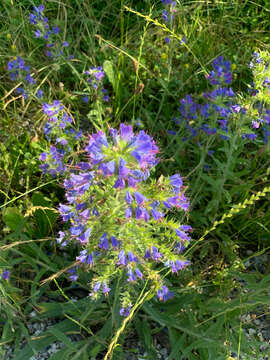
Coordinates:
(116, 217)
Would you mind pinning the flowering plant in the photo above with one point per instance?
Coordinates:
(222, 111)
(55, 47)
(116, 214)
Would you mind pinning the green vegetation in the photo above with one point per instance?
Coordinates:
(226, 174)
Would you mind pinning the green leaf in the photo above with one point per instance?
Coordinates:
(44, 218)
(61, 337)
(177, 342)
(109, 70)
(13, 218)
(144, 332)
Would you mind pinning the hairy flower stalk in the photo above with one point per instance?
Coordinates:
(117, 214)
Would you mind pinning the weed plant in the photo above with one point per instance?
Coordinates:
(193, 76)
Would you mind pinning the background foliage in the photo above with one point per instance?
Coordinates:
(146, 78)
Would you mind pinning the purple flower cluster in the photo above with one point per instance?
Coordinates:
(54, 48)
(256, 60)
(5, 275)
(96, 75)
(221, 73)
(108, 204)
(259, 114)
(53, 161)
(98, 286)
(95, 79)
(170, 8)
(139, 147)
(19, 71)
(213, 114)
(58, 129)
(38, 16)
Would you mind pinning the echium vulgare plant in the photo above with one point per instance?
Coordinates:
(223, 112)
(259, 101)
(59, 131)
(55, 46)
(20, 72)
(95, 76)
(117, 215)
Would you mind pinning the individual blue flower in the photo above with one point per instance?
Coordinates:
(126, 132)
(123, 170)
(122, 259)
(43, 156)
(132, 257)
(140, 199)
(5, 275)
(157, 215)
(85, 99)
(84, 237)
(131, 276)
(96, 287)
(128, 198)
(186, 227)
(128, 212)
(66, 212)
(73, 274)
(108, 168)
(125, 311)
(120, 183)
(164, 294)
(39, 94)
(76, 230)
(139, 273)
(104, 242)
(105, 289)
(156, 255)
(114, 241)
(56, 29)
(176, 181)
(182, 234)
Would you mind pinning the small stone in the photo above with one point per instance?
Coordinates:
(263, 347)
(164, 352)
(266, 335)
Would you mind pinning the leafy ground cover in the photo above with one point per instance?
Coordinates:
(193, 79)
